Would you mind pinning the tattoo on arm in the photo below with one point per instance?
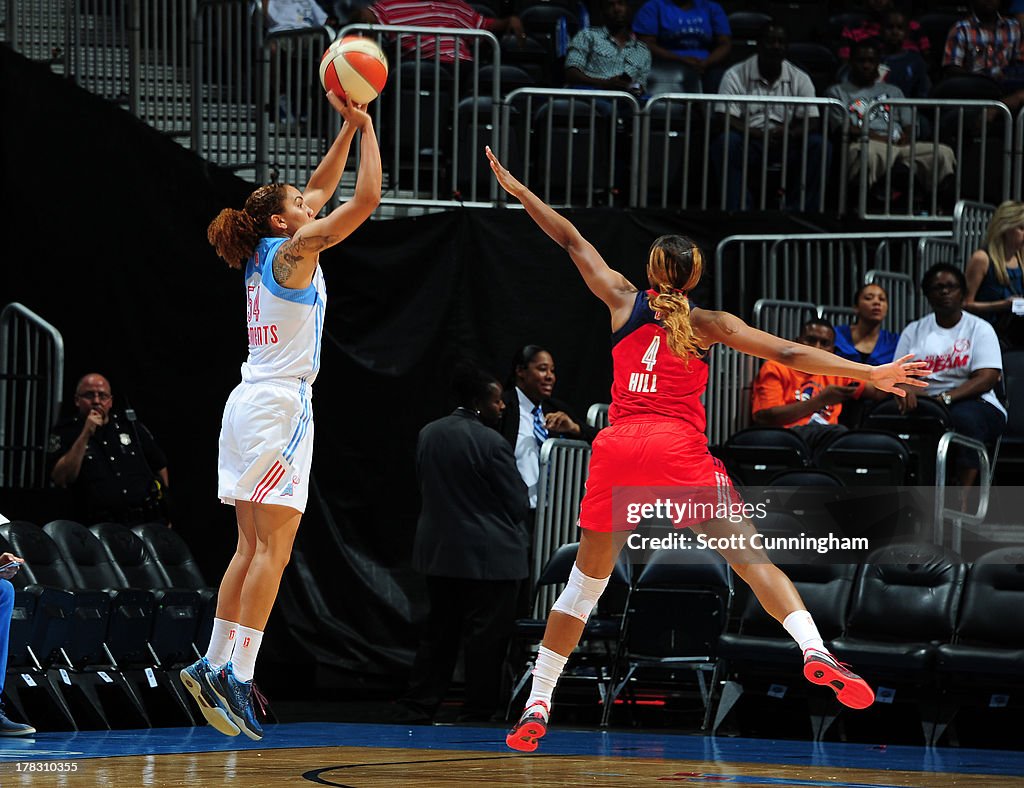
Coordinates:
(294, 251)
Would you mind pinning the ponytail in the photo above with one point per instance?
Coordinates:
(675, 267)
(673, 309)
(235, 234)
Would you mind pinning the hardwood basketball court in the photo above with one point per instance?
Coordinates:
(372, 756)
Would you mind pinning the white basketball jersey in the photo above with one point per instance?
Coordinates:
(285, 326)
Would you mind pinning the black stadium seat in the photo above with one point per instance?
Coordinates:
(867, 458)
(176, 618)
(87, 611)
(676, 614)
(131, 609)
(603, 626)
(987, 659)
(761, 649)
(178, 569)
(903, 607)
(920, 429)
(757, 454)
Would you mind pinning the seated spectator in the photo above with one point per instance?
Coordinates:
(933, 163)
(807, 404)
(453, 14)
(988, 44)
(115, 470)
(689, 41)
(871, 30)
(295, 15)
(8, 727)
(963, 354)
(994, 281)
(902, 66)
(865, 340)
(768, 73)
(609, 57)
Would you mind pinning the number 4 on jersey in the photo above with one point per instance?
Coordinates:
(647, 381)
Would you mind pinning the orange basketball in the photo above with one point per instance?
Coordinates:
(354, 67)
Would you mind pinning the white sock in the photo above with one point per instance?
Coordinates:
(549, 667)
(243, 660)
(802, 629)
(222, 641)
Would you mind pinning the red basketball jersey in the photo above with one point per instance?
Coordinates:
(649, 379)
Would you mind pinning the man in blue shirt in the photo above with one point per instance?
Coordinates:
(689, 39)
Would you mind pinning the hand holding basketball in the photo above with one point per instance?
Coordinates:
(354, 67)
(354, 114)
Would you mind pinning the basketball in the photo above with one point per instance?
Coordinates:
(354, 67)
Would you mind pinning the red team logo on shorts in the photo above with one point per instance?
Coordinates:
(245, 643)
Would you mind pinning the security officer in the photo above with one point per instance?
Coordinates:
(111, 463)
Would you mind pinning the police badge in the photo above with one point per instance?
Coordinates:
(125, 439)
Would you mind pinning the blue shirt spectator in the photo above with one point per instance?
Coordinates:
(688, 29)
(865, 340)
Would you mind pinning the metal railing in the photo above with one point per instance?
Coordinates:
(36, 29)
(783, 318)
(564, 467)
(820, 268)
(597, 415)
(577, 146)
(964, 124)
(435, 118)
(206, 72)
(228, 67)
(699, 151)
(836, 315)
(957, 515)
(901, 290)
(970, 228)
(727, 402)
(31, 382)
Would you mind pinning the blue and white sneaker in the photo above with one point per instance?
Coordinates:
(194, 679)
(238, 697)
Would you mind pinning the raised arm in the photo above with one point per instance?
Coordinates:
(297, 257)
(326, 177)
(730, 330)
(610, 286)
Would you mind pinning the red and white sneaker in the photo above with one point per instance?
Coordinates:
(820, 667)
(530, 729)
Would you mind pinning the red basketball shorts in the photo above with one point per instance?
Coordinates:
(636, 462)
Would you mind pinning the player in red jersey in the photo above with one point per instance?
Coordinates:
(656, 439)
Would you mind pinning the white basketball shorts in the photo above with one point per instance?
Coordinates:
(266, 445)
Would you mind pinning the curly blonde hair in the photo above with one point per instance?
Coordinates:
(674, 268)
(1008, 216)
(235, 234)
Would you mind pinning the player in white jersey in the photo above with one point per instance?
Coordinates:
(266, 440)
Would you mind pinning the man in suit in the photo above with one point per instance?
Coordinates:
(532, 415)
(471, 544)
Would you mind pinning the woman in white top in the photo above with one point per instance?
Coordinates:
(963, 354)
(266, 441)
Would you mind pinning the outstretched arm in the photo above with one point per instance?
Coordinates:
(326, 177)
(296, 259)
(610, 286)
(730, 330)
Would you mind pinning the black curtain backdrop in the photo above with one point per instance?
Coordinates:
(107, 240)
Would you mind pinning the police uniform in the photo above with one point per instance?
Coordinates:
(118, 481)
